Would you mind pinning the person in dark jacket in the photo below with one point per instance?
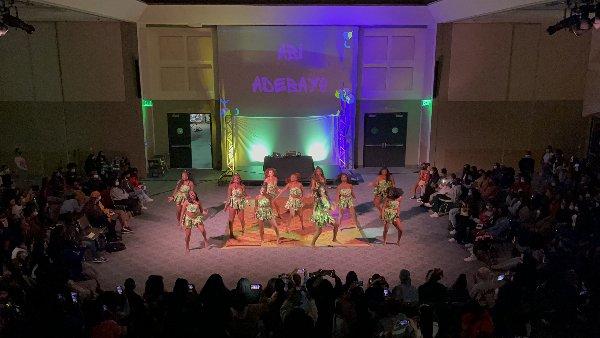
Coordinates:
(527, 164)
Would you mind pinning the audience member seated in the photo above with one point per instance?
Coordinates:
(99, 216)
(136, 191)
(447, 194)
(527, 165)
(70, 207)
(122, 198)
(431, 185)
(405, 293)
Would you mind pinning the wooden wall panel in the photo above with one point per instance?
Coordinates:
(562, 66)
(91, 61)
(480, 62)
(524, 62)
(16, 82)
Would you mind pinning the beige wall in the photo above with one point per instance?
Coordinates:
(395, 72)
(178, 74)
(506, 88)
(69, 88)
(591, 103)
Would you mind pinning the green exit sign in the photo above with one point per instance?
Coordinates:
(147, 103)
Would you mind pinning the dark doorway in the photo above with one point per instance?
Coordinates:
(190, 140)
(385, 140)
(180, 140)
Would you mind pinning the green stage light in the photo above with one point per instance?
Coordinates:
(258, 152)
(318, 151)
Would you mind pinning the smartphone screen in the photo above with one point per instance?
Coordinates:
(119, 290)
(500, 277)
(255, 287)
(190, 286)
(386, 292)
(74, 297)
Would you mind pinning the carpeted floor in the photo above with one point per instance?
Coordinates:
(157, 244)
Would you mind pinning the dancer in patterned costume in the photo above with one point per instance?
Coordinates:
(346, 197)
(236, 202)
(294, 203)
(192, 216)
(264, 212)
(181, 192)
(391, 213)
(382, 183)
(321, 214)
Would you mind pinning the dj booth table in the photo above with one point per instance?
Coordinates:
(287, 165)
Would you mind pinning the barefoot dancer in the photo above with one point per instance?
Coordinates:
(192, 216)
(391, 213)
(271, 181)
(382, 183)
(263, 210)
(317, 180)
(321, 214)
(345, 199)
(294, 203)
(236, 202)
(180, 194)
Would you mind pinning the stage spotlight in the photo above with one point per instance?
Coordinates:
(258, 152)
(3, 29)
(317, 151)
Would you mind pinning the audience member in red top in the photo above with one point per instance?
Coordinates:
(486, 187)
(422, 181)
(521, 185)
(107, 328)
(476, 323)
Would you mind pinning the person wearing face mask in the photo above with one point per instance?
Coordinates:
(527, 165)
(71, 174)
(92, 183)
(3, 222)
(137, 193)
(90, 164)
(99, 216)
(121, 197)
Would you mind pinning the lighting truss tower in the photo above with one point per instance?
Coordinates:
(344, 129)
(229, 130)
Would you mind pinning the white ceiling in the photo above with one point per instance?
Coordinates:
(136, 11)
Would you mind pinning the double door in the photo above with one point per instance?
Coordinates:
(385, 140)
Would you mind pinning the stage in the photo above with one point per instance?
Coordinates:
(254, 175)
(157, 244)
